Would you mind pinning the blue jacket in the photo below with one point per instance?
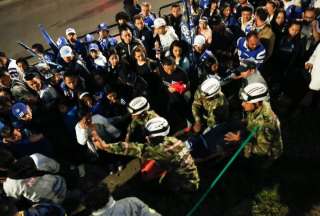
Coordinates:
(257, 55)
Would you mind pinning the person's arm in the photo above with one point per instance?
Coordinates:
(44, 163)
(82, 134)
(196, 106)
(315, 32)
(119, 148)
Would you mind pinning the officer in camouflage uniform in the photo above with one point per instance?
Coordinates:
(209, 104)
(267, 142)
(171, 154)
(141, 113)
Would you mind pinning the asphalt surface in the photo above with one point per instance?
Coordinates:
(20, 19)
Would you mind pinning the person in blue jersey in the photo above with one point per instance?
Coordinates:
(250, 48)
(106, 42)
(148, 16)
(75, 43)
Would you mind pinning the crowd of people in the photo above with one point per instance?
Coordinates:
(154, 94)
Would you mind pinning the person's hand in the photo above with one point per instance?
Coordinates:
(97, 141)
(308, 66)
(232, 137)
(197, 127)
(171, 90)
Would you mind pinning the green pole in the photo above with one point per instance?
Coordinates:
(192, 211)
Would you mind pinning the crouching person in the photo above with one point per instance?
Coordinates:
(33, 177)
(170, 153)
(266, 145)
(101, 203)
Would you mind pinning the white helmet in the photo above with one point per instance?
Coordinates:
(157, 126)
(210, 87)
(254, 92)
(138, 105)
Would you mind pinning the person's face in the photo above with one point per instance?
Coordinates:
(270, 8)
(309, 16)
(145, 10)
(112, 97)
(248, 107)
(227, 11)
(71, 82)
(87, 119)
(72, 37)
(35, 83)
(94, 54)
(242, 1)
(139, 56)
(176, 11)
(213, 6)
(114, 60)
(55, 80)
(3, 61)
(177, 51)
(280, 19)
(169, 69)
(214, 68)
(21, 66)
(198, 48)
(68, 59)
(104, 33)
(202, 25)
(139, 24)
(246, 16)
(87, 101)
(253, 42)
(245, 74)
(294, 30)
(28, 115)
(16, 136)
(161, 30)
(126, 36)
(5, 80)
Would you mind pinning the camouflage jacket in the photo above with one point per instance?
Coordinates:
(210, 109)
(136, 123)
(267, 141)
(171, 155)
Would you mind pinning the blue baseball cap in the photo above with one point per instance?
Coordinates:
(103, 26)
(93, 46)
(19, 110)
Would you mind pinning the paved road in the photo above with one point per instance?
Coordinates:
(20, 18)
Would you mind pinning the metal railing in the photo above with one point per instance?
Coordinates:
(111, 27)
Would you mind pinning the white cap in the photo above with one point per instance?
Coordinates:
(159, 22)
(66, 51)
(254, 92)
(70, 30)
(210, 87)
(138, 105)
(157, 126)
(199, 40)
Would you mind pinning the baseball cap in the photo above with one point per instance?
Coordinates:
(103, 26)
(70, 31)
(246, 65)
(159, 22)
(65, 51)
(89, 38)
(203, 19)
(93, 46)
(19, 110)
(199, 40)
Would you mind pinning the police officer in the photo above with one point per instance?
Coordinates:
(267, 141)
(210, 105)
(139, 109)
(171, 154)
